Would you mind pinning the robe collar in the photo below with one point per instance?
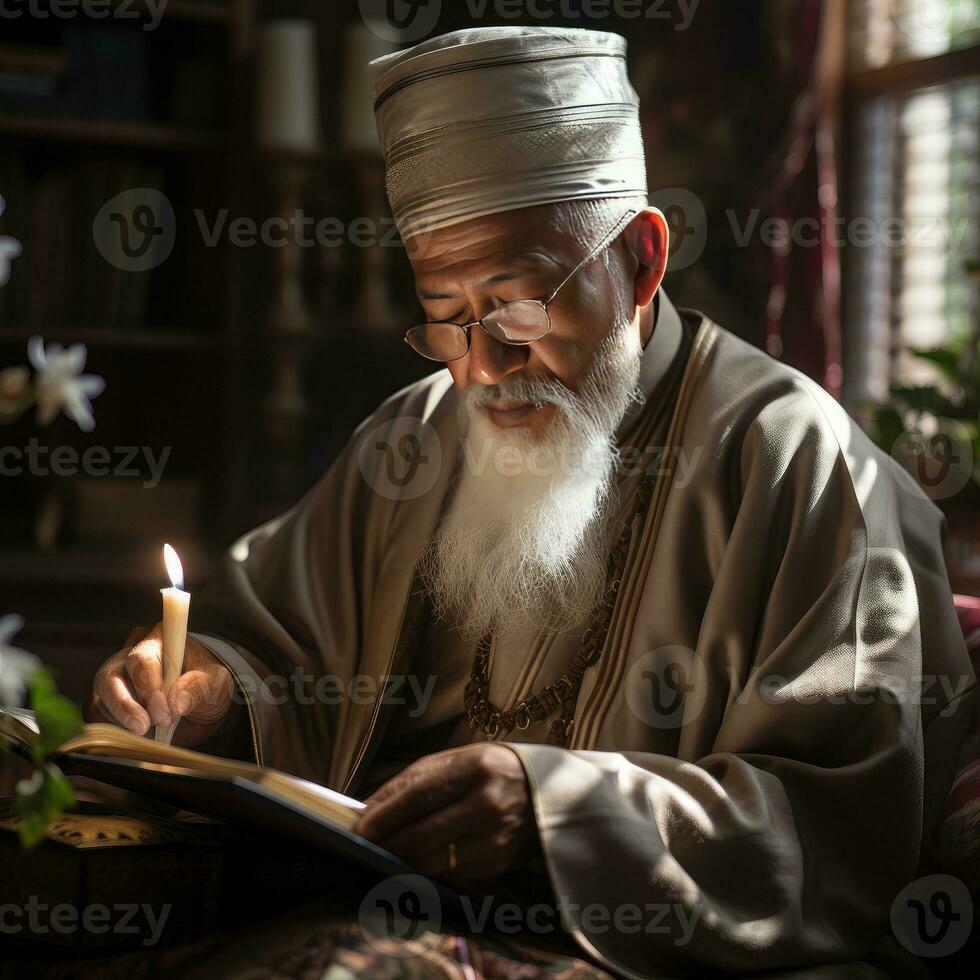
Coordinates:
(661, 350)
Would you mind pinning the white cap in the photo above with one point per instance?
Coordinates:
(491, 119)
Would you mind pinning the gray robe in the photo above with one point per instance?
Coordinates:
(755, 759)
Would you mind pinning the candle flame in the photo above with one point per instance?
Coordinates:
(174, 569)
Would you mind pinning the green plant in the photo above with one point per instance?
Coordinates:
(933, 417)
(57, 385)
(46, 794)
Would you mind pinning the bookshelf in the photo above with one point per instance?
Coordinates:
(79, 558)
(139, 339)
(65, 129)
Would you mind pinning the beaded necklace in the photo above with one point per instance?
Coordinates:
(561, 695)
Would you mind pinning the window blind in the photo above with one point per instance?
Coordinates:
(915, 202)
(887, 32)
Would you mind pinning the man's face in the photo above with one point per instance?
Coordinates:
(465, 271)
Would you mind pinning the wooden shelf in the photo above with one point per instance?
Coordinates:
(116, 338)
(188, 11)
(123, 569)
(60, 568)
(80, 598)
(907, 75)
(193, 11)
(104, 132)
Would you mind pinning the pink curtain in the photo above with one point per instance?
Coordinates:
(803, 308)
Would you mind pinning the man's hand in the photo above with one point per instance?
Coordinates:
(130, 687)
(474, 797)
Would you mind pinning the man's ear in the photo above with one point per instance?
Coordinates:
(648, 239)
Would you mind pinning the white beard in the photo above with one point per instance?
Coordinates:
(524, 539)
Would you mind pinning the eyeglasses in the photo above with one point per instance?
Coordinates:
(517, 323)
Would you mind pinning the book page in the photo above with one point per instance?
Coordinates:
(109, 741)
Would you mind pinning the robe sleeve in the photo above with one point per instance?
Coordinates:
(286, 611)
(263, 614)
(296, 607)
(784, 840)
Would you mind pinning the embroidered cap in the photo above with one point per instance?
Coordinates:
(496, 118)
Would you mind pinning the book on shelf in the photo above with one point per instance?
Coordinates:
(93, 72)
(36, 71)
(33, 59)
(72, 269)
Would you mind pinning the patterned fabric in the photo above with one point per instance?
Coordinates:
(318, 942)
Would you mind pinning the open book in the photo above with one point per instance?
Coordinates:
(230, 791)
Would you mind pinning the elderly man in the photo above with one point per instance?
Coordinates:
(665, 610)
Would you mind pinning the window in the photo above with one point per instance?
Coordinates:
(915, 185)
(887, 32)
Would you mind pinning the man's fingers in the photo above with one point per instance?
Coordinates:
(114, 693)
(145, 670)
(202, 695)
(434, 832)
(451, 766)
(476, 857)
(426, 786)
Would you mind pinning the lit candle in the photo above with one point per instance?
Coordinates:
(176, 604)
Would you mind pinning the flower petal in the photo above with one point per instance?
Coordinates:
(75, 359)
(35, 352)
(78, 409)
(91, 385)
(10, 626)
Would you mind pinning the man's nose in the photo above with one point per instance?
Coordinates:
(490, 360)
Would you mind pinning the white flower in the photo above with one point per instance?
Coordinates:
(16, 666)
(10, 249)
(61, 384)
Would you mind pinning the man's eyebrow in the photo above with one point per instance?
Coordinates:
(490, 280)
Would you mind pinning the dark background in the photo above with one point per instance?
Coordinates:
(254, 410)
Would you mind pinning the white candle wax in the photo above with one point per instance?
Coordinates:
(176, 606)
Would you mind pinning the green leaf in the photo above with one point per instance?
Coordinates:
(887, 425)
(947, 359)
(925, 398)
(58, 718)
(39, 800)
